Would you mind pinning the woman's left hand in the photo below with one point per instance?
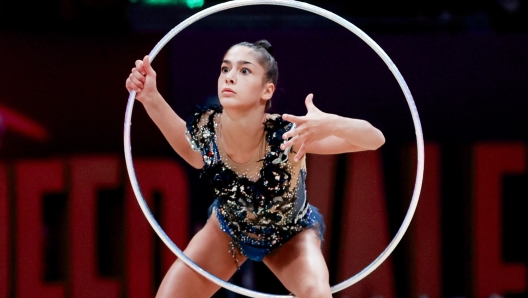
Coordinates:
(314, 126)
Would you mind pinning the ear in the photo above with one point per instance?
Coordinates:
(269, 89)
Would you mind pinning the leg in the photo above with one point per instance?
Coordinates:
(209, 248)
(300, 266)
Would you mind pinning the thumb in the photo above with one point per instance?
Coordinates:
(309, 103)
(147, 67)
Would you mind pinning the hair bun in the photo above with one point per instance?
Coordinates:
(265, 45)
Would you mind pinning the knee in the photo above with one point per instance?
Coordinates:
(314, 290)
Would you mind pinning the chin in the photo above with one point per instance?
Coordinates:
(234, 105)
(229, 102)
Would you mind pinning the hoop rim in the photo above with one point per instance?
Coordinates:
(337, 19)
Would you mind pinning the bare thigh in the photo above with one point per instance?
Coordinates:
(300, 266)
(209, 248)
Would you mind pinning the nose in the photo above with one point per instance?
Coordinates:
(230, 77)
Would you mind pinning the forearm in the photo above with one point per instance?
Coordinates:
(357, 132)
(164, 116)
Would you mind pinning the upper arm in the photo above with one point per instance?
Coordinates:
(173, 129)
(181, 145)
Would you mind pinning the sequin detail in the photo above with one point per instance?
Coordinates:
(265, 212)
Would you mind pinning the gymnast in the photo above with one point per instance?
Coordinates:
(256, 165)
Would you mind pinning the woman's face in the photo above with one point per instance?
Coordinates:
(241, 82)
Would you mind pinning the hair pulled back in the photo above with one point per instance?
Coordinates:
(267, 60)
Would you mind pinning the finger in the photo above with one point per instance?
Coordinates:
(301, 152)
(130, 89)
(139, 67)
(137, 90)
(296, 140)
(138, 75)
(136, 82)
(147, 67)
(309, 103)
(287, 144)
(292, 118)
(294, 132)
(131, 85)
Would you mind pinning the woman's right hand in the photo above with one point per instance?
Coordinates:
(142, 79)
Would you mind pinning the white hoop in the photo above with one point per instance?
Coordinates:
(314, 9)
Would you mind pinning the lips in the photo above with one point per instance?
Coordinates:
(228, 91)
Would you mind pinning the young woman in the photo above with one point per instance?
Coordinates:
(255, 163)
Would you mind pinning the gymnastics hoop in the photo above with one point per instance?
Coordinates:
(331, 16)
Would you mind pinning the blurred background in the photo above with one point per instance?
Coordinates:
(70, 225)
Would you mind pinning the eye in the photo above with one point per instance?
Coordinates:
(224, 69)
(245, 71)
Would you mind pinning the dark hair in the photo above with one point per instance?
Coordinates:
(267, 60)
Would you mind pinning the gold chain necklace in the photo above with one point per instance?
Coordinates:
(242, 169)
(222, 147)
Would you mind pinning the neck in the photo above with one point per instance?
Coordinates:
(242, 133)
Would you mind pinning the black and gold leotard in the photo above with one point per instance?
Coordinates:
(260, 205)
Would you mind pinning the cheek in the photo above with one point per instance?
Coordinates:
(257, 83)
(255, 89)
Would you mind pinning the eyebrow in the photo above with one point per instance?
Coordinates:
(238, 62)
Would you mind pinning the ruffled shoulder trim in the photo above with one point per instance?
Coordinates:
(275, 128)
(200, 130)
(198, 112)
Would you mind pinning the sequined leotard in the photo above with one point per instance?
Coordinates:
(260, 209)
